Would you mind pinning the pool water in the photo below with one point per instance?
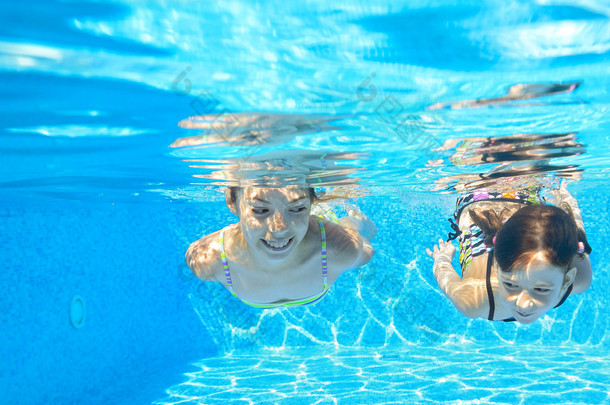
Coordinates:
(97, 209)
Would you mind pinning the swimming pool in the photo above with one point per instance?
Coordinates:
(97, 210)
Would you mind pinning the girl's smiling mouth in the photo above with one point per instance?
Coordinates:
(277, 245)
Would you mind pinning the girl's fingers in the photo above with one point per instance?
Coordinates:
(433, 252)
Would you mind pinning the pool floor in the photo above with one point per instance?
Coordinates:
(464, 373)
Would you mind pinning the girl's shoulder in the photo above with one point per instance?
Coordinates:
(477, 268)
(476, 275)
(473, 296)
(346, 248)
(204, 255)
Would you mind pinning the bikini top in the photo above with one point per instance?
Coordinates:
(490, 294)
(304, 301)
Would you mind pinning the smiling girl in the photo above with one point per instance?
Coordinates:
(520, 257)
(278, 254)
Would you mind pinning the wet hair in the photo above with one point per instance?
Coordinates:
(530, 230)
(234, 190)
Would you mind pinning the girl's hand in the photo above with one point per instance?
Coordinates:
(444, 250)
(567, 202)
(560, 194)
(359, 222)
(444, 273)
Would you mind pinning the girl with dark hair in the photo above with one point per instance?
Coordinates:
(278, 254)
(520, 256)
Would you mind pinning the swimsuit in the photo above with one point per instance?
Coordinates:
(304, 301)
(472, 239)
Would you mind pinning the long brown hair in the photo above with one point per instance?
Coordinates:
(532, 229)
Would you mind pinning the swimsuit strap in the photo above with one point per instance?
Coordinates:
(565, 296)
(455, 227)
(323, 234)
(490, 293)
(225, 265)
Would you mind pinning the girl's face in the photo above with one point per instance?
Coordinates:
(273, 221)
(530, 292)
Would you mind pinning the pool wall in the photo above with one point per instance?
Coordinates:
(139, 327)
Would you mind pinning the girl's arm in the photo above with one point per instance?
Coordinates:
(584, 274)
(570, 201)
(202, 257)
(567, 202)
(347, 249)
(359, 222)
(365, 231)
(466, 295)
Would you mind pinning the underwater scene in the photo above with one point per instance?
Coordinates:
(305, 202)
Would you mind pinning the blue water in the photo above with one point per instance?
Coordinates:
(94, 203)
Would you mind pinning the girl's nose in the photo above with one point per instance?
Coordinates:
(524, 301)
(277, 223)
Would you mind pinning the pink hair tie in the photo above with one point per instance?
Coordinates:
(581, 247)
(494, 240)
